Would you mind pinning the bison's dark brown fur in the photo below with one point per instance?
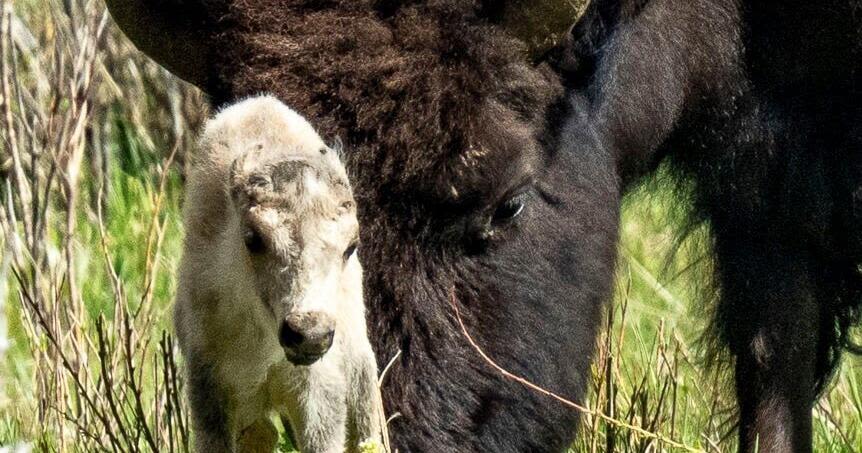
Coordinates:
(390, 79)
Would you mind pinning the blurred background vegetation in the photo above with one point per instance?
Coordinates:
(93, 139)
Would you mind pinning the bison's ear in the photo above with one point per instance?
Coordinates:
(171, 32)
(539, 23)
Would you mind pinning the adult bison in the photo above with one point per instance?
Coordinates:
(489, 158)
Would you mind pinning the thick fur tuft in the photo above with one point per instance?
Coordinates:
(412, 87)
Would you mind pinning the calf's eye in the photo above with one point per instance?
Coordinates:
(509, 209)
(253, 242)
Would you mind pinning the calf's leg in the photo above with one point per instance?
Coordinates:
(364, 407)
(260, 437)
(318, 416)
(210, 423)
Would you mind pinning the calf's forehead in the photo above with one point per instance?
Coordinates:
(309, 179)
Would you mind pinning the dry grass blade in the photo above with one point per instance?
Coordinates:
(93, 365)
(532, 386)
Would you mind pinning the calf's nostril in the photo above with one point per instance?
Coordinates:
(288, 337)
(322, 342)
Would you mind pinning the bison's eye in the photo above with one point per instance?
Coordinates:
(253, 242)
(350, 250)
(509, 209)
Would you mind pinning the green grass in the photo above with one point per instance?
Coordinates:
(656, 371)
(661, 374)
(127, 216)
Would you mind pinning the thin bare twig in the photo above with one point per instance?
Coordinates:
(511, 376)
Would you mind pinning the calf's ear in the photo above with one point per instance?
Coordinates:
(171, 32)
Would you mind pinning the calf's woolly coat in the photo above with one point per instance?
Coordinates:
(231, 301)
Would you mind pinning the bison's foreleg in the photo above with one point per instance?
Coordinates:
(318, 416)
(770, 317)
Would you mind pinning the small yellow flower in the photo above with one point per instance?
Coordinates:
(370, 446)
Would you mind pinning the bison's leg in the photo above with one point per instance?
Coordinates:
(770, 318)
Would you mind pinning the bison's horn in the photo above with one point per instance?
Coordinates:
(172, 32)
(541, 23)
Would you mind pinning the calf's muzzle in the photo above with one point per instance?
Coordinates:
(306, 336)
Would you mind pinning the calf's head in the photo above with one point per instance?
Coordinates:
(296, 220)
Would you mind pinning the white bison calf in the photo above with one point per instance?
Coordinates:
(269, 312)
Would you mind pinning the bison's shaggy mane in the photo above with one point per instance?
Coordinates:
(391, 76)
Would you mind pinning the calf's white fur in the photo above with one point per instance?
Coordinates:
(270, 232)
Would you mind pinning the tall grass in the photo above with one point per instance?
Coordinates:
(93, 141)
(90, 192)
(653, 369)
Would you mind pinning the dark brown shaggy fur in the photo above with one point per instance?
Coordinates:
(391, 79)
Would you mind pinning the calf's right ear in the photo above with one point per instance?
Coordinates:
(174, 33)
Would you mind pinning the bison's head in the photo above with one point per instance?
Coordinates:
(476, 180)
